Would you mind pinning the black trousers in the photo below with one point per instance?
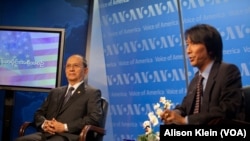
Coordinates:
(39, 136)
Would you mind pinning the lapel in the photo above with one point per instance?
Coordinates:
(209, 86)
(61, 94)
(76, 95)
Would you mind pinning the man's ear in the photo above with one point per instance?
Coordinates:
(86, 71)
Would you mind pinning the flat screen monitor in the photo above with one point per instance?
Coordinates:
(31, 58)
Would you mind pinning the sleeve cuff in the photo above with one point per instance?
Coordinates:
(186, 120)
(65, 127)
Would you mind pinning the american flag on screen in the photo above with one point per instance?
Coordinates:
(28, 58)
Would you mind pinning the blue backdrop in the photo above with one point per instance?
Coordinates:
(145, 53)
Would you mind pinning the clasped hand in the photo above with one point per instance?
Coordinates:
(172, 117)
(53, 126)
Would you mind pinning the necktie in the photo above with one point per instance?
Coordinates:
(68, 95)
(199, 91)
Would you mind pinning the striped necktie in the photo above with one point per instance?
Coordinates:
(199, 91)
(68, 95)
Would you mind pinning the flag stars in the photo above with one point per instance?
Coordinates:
(27, 56)
(26, 48)
(20, 52)
(6, 54)
(19, 44)
(25, 40)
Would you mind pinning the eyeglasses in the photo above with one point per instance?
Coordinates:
(74, 66)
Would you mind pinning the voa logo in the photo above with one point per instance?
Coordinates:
(168, 41)
(144, 77)
(139, 13)
(132, 109)
(193, 4)
(234, 32)
(159, 76)
(122, 137)
(244, 69)
(149, 44)
(155, 9)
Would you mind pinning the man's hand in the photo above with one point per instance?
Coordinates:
(58, 126)
(48, 126)
(172, 117)
(53, 126)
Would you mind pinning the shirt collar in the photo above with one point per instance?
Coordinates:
(75, 86)
(206, 72)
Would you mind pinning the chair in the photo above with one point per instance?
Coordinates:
(246, 99)
(98, 131)
(246, 92)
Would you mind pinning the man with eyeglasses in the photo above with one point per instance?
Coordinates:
(68, 108)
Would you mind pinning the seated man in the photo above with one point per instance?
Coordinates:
(218, 94)
(63, 115)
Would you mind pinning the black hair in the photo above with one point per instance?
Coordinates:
(84, 61)
(85, 64)
(209, 36)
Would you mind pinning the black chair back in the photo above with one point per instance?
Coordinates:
(105, 111)
(105, 105)
(246, 94)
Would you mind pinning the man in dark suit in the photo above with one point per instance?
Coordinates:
(57, 121)
(221, 86)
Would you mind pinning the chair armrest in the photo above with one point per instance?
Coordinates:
(87, 128)
(23, 127)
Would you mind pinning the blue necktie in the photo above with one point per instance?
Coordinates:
(68, 95)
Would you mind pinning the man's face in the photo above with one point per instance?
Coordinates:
(197, 54)
(75, 71)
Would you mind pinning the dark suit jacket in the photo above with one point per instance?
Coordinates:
(222, 96)
(84, 107)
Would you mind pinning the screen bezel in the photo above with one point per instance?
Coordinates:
(61, 32)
